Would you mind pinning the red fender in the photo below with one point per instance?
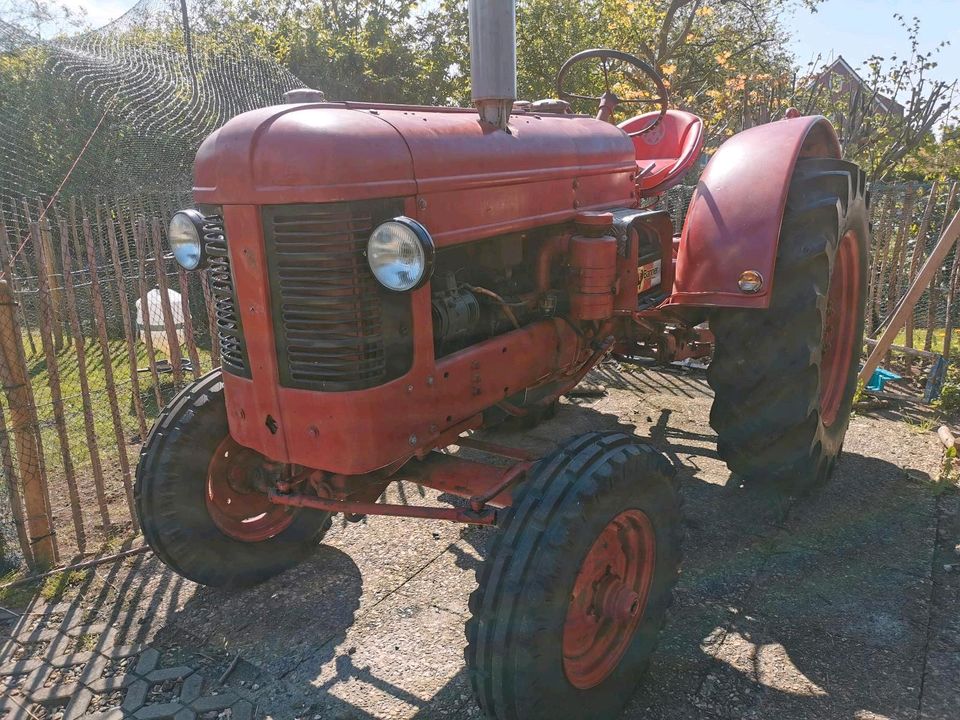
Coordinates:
(733, 222)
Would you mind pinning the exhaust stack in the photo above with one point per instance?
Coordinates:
(493, 59)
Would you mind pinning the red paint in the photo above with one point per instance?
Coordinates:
(665, 153)
(733, 223)
(238, 508)
(592, 279)
(352, 507)
(469, 181)
(608, 599)
(840, 327)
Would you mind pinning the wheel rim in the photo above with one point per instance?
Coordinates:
(840, 328)
(236, 507)
(608, 599)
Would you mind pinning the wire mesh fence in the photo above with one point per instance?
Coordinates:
(99, 329)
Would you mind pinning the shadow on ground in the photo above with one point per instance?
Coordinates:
(815, 608)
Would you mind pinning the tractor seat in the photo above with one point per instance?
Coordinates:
(666, 152)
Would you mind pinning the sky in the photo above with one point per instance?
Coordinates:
(856, 29)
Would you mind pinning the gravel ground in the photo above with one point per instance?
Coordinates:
(840, 605)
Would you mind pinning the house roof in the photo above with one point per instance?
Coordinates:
(886, 103)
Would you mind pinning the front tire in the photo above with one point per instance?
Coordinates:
(784, 377)
(576, 584)
(197, 514)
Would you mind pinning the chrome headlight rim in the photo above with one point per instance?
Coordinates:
(426, 246)
(194, 221)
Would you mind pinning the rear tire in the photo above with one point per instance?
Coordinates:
(576, 584)
(173, 506)
(784, 378)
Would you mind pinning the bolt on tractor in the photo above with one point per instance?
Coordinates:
(390, 278)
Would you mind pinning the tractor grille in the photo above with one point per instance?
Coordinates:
(233, 349)
(327, 306)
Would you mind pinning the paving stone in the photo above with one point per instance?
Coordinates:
(13, 710)
(95, 629)
(105, 685)
(78, 704)
(158, 712)
(172, 673)
(243, 710)
(71, 659)
(20, 667)
(136, 694)
(185, 714)
(121, 651)
(147, 662)
(55, 693)
(215, 702)
(191, 689)
(93, 670)
(112, 714)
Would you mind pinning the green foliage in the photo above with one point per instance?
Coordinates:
(949, 401)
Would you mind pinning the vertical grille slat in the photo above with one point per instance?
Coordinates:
(233, 348)
(327, 306)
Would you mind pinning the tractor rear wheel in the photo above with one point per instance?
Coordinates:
(576, 583)
(784, 378)
(199, 503)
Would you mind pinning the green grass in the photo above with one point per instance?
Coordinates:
(73, 407)
(919, 337)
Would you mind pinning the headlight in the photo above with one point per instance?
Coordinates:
(400, 253)
(185, 236)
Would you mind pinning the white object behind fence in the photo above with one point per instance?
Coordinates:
(155, 326)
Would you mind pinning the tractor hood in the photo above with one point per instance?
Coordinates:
(544, 170)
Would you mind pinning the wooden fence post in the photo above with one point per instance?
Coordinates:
(188, 321)
(140, 234)
(79, 345)
(56, 395)
(173, 340)
(934, 288)
(128, 331)
(918, 247)
(23, 417)
(101, 323)
(909, 301)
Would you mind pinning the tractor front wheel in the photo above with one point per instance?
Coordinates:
(576, 583)
(200, 501)
(784, 377)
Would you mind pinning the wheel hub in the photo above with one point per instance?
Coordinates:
(839, 328)
(236, 495)
(608, 598)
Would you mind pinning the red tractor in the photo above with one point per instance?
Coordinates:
(390, 278)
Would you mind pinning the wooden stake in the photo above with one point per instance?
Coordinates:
(79, 343)
(54, 279)
(13, 492)
(128, 331)
(23, 418)
(934, 291)
(140, 233)
(176, 358)
(918, 248)
(188, 321)
(56, 397)
(934, 261)
(118, 433)
(951, 278)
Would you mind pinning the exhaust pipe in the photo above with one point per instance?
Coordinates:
(493, 59)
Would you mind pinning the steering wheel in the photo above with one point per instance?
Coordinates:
(609, 100)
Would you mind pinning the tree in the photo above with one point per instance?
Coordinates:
(882, 141)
